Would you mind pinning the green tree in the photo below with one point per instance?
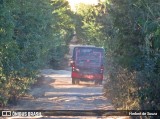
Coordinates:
(134, 35)
(63, 32)
(88, 26)
(129, 31)
(29, 31)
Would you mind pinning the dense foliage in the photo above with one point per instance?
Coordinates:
(137, 34)
(88, 24)
(130, 33)
(32, 35)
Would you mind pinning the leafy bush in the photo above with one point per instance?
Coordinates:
(129, 31)
(32, 33)
(135, 52)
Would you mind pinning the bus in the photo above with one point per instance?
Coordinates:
(87, 64)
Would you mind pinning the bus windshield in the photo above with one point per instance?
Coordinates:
(88, 56)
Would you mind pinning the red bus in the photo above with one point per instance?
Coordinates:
(87, 64)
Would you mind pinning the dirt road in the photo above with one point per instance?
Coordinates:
(55, 92)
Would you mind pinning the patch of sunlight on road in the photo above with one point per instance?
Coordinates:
(70, 94)
(69, 85)
(55, 73)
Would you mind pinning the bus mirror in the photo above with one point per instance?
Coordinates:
(71, 63)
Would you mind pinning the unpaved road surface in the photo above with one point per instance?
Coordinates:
(55, 92)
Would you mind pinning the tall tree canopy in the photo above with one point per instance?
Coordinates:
(32, 34)
(130, 33)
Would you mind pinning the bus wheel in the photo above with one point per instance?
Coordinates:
(73, 81)
(77, 81)
(96, 82)
(100, 82)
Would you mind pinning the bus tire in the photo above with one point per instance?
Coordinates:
(100, 82)
(96, 82)
(73, 81)
(77, 81)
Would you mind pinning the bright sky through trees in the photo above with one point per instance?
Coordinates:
(73, 3)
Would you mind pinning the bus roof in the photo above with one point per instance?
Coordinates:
(88, 47)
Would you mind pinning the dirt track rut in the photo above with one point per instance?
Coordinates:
(55, 92)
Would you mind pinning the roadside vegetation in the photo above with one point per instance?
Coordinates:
(33, 34)
(130, 33)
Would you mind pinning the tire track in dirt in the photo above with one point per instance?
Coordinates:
(54, 91)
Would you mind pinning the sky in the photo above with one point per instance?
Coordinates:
(74, 2)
